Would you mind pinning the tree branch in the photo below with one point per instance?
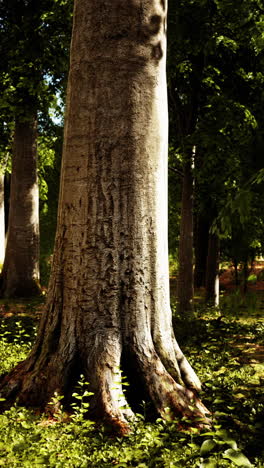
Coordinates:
(177, 171)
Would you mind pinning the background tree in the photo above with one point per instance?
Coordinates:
(215, 65)
(30, 76)
(185, 273)
(185, 70)
(2, 219)
(108, 302)
(4, 158)
(6, 131)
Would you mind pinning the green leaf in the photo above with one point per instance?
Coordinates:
(26, 425)
(210, 463)
(192, 445)
(226, 437)
(219, 400)
(237, 457)
(207, 446)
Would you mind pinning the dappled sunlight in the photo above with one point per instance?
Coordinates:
(229, 360)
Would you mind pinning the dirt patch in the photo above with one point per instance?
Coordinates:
(227, 278)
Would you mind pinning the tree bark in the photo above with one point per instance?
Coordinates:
(201, 235)
(20, 274)
(185, 279)
(2, 220)
(109, 291)
(212, 267)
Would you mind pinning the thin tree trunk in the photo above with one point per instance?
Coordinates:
(2, 220)
(212, 270)
(201, 235)
(245, 275)
(185, 279)
(236, 272)
(109, 291)
(20, 275)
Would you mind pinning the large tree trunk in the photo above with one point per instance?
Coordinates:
(185, 279)
(109, 291)
(20, 275)
(212, 270)
(2, 220)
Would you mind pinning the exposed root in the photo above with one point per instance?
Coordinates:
(32, 386)
(170, 398)
(189, 377)
(170, 352)
(117, 426)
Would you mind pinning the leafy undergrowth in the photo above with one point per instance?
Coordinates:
(227, 354)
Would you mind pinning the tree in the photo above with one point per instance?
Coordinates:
(20, 274)
(185, 70)
(2, 220)
(108, 301)
(6, 129)
(185, 279)
(212, 270)
(201, 235)
(29, 76)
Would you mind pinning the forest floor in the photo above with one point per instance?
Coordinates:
(225, 346)
(251, 352)
(245, 307)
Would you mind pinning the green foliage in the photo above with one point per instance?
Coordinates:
(174, 196)
(34, 46)
(215, 87)
(31, 36)
(15, 342)
(173, 265)
(241, 220)
(232, 391)
(46, 160)
(259, 177)
(217, 442)
(81, 406)
(237, 457)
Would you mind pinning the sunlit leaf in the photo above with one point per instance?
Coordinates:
(237, 457)
(207, 446)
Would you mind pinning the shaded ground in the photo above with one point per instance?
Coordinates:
(227, 278)
(22, 308)
(251, 353)
(246, 308)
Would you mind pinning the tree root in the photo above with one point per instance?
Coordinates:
(34, 382)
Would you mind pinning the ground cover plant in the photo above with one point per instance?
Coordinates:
(226, 351)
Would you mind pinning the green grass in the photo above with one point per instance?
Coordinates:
(225, 352)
